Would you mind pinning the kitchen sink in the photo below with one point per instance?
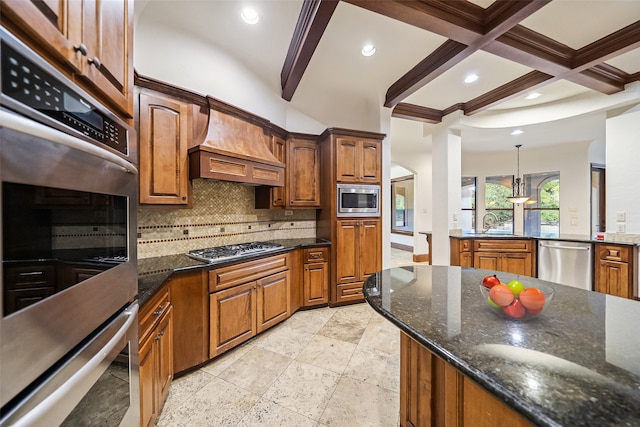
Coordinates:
(488, 233)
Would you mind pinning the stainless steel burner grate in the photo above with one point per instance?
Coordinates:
(232, 251)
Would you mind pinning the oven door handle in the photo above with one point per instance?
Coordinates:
(30, 127)
(55, 406)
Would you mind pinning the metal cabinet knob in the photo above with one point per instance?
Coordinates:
(81, 48)
(95, 62)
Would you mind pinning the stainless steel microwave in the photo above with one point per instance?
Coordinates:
(358, 200)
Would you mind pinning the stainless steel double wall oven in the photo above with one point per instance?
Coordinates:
(68, 330)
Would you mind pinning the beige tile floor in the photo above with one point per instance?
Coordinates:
(321, 367)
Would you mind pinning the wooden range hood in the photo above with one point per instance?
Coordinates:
(236, 148)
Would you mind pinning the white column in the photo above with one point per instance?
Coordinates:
(385, 206)
(446, 184)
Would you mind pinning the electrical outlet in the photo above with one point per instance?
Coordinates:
(620, 228)
(620, 216)
(288, 213)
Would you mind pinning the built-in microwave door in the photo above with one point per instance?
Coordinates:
(68, 245)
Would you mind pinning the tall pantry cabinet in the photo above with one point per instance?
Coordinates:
(349, 157)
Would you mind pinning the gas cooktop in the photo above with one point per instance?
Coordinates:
(220, 253)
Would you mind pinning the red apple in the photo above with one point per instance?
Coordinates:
(490, 281)
(515, 310)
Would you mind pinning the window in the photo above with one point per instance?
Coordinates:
(402, 206)
(499, 211)
(468, 216)
(542, 211)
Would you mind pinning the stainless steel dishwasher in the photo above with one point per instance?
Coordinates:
(567, 263)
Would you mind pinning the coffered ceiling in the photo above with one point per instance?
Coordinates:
(309, 52)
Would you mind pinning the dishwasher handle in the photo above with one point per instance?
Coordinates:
(579, 248)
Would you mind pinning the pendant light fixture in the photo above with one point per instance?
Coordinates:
(518, 185)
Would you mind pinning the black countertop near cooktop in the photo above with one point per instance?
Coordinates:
(153, 272)
(578, 364)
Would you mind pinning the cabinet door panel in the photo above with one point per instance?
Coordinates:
(164, 132)
(316, 281)
(465, 259)
(279, 149)
(347, 162)
(487, 261)
(165, 356)
(233, 317)
(106, 35)
(146, 373)
(347, 268)
(303, 168)
(273, 298)
(516, 264)
(613, 278)
(370, 248)
(370, 166)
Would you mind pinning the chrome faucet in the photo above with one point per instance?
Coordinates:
(484, 219)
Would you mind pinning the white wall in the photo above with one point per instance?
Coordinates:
(623, 170)
(160, 54)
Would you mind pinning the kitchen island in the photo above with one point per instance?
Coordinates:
(578, 364)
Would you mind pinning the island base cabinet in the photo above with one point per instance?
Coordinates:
(433, 393)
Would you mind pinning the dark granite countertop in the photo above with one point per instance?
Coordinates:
(153, 272)
(578, 364)
(562, 236)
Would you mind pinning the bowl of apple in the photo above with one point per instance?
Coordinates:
(514, 300)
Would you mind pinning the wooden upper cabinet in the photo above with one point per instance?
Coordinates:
(301, 190)
(303, 170)
(90, 41)
(358, 160)
(107, 34)
(164, 131)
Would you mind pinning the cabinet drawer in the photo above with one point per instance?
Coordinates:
(152, 311)
(349, 292)
(503, 245)
(316, 255)
(465, 245)
(614, 253)
(30, 276)
(233, 275)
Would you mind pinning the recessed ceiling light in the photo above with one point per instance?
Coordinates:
(533, 95)
(250, 16)
(517, 132)
(368, 50)
(471, 78)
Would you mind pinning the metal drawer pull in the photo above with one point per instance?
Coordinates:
(33, 273)
(158, 312)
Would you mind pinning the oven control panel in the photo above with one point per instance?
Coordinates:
(32, 86)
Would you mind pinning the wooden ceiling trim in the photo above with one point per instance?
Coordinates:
(444, 57)
(312, 21)
(453, 108)
(461, 21)
(603, 77)
(417, 112)
(617, 43)
(501, 17)
(507, 91)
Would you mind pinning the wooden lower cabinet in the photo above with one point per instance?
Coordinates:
(433, 393)
(614, 265)
(155, 356)
(240, 312)
(358, 255)
(516, 256)
(315, 279)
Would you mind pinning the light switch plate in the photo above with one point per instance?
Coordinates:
(620, 216)
(620, 228)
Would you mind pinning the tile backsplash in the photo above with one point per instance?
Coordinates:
(223, 213)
